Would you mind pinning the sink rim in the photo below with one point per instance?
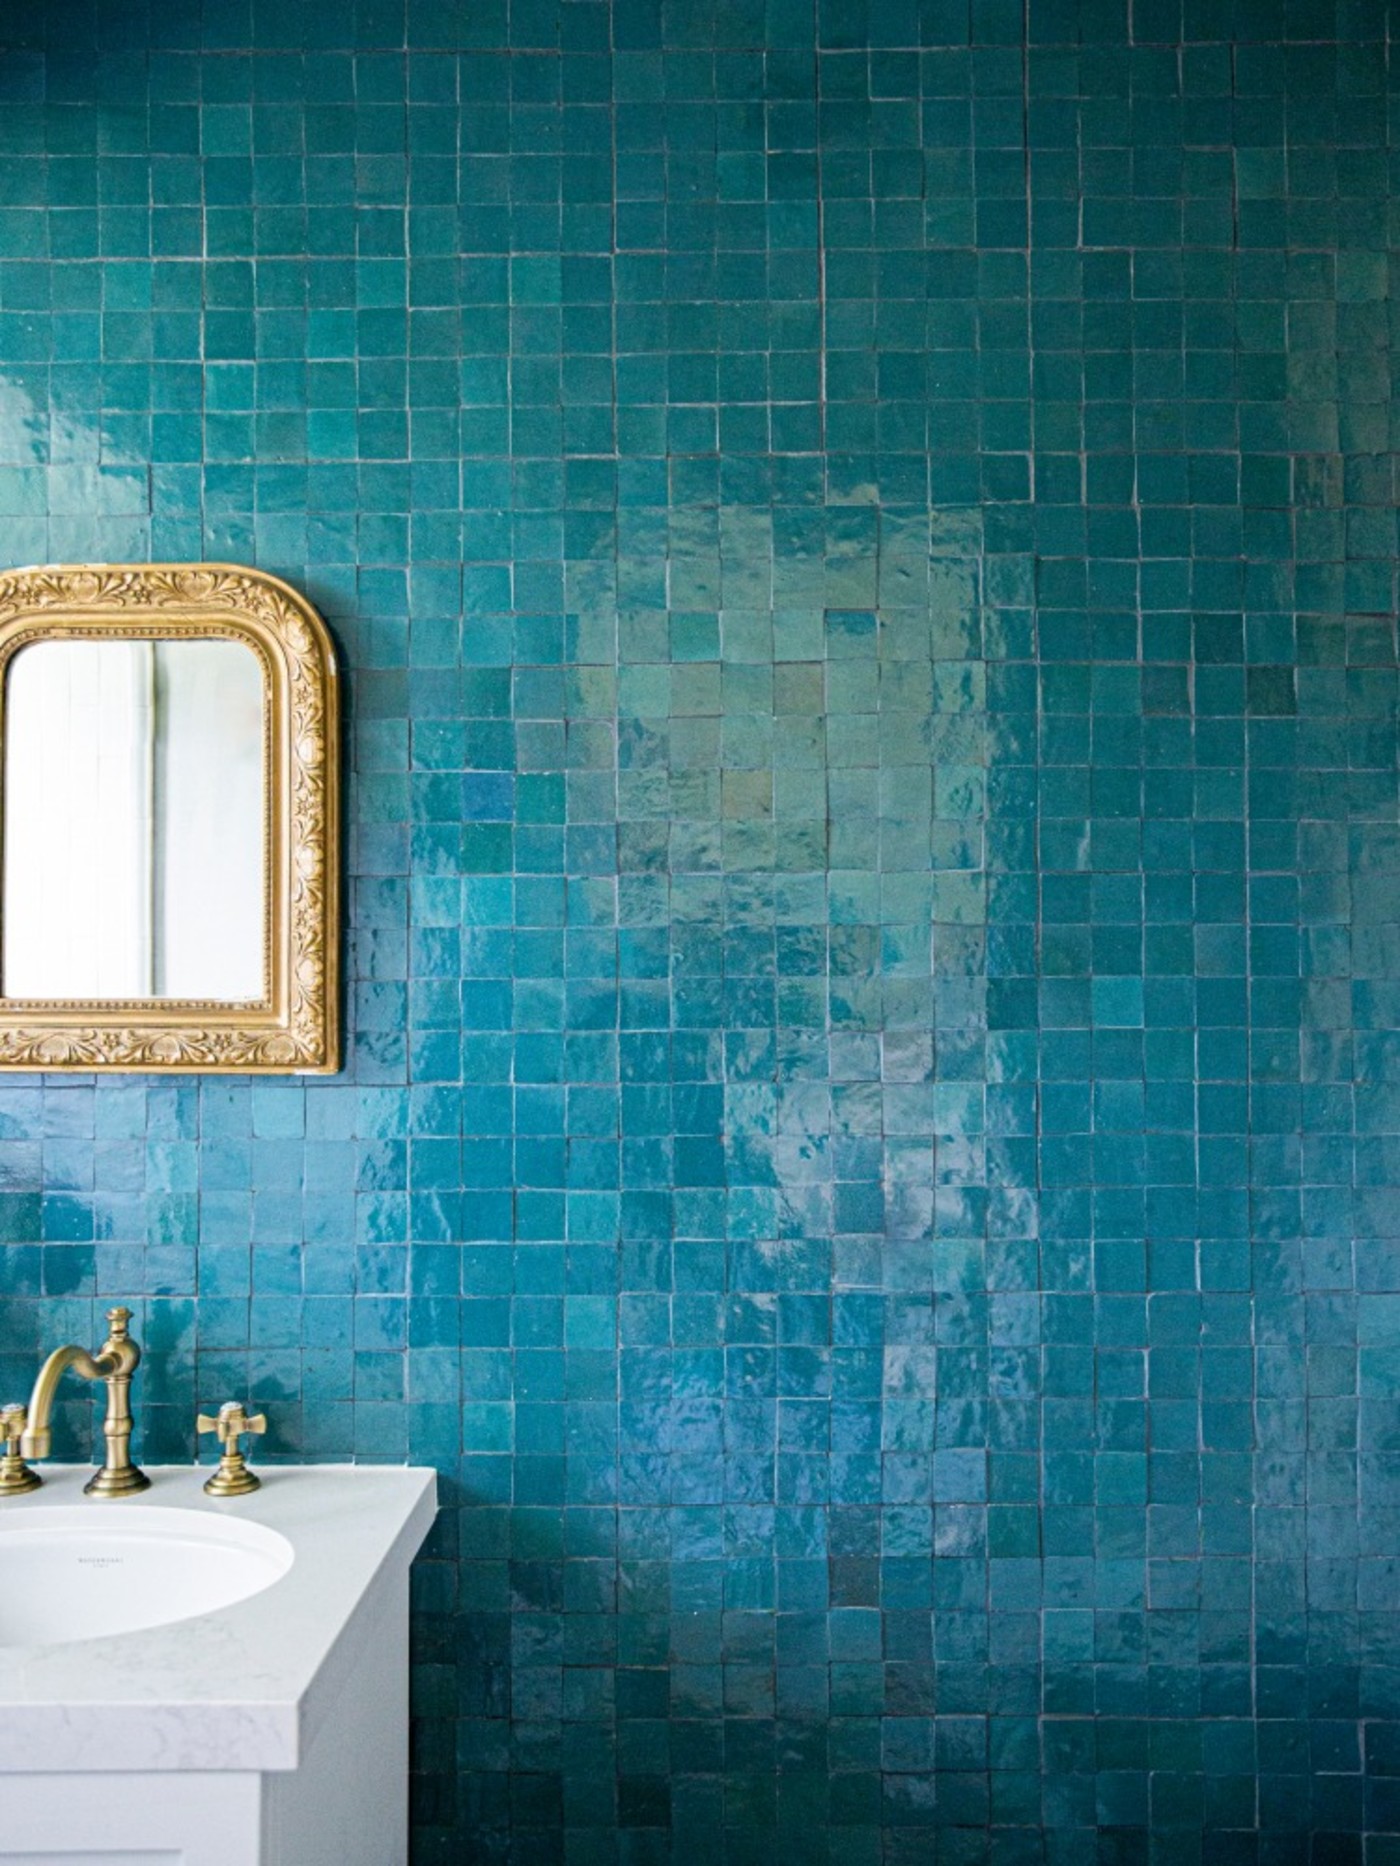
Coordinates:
(154, 1522)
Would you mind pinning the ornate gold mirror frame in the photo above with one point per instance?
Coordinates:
(295, 1027)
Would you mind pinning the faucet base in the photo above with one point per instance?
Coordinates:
(232, 1483)
(16, 1477)
(123, 1483)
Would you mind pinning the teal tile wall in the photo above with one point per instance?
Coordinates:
(864, 540)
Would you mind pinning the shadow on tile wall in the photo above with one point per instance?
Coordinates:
(864, 539)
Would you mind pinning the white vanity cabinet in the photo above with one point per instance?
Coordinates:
(272, 1732)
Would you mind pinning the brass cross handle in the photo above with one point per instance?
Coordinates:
(233, 1422)
(15, 1475)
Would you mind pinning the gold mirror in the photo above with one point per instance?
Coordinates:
(168, 822)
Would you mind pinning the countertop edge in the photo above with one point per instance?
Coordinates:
(338, 1664)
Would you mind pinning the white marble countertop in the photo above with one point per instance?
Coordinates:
(241, 1688)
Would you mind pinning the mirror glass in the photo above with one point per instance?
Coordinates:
(134, 821)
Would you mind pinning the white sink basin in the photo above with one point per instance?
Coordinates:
(66, 1574)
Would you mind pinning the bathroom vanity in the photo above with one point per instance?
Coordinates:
(192, 1682)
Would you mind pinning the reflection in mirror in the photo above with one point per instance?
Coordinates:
(134, 821)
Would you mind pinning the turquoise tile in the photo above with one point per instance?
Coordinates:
(862, 540)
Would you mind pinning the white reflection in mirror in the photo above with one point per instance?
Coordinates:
(134, 821)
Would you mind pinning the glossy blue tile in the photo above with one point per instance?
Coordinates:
(863, 544)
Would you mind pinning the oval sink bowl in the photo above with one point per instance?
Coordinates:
(87, 1573)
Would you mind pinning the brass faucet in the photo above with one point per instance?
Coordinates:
(114, 1362)
(233, 1478)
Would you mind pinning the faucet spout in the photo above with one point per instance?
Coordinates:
(37, 1440)
(114, 1363)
